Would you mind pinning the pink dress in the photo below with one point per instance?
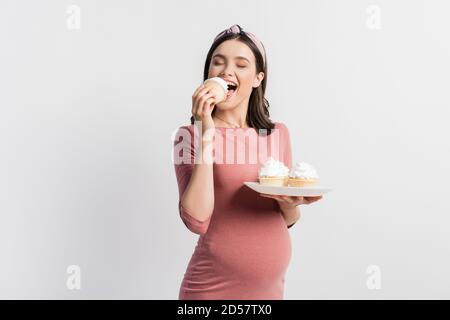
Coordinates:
(244, 248)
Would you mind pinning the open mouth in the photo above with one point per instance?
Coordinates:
(231, 90)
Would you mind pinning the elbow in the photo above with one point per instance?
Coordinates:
(193, 224)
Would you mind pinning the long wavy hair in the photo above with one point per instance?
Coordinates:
(258, 116)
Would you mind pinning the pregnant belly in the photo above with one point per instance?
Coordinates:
(254, 250)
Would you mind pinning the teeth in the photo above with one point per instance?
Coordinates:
(232, 87)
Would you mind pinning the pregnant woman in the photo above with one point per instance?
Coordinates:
(244, 247)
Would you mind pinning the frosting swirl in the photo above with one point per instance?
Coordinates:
(303, 170)
(273, 168)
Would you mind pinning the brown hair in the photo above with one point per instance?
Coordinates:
(258, 106)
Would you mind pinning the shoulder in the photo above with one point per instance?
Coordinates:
(283, 131)
(184, 130)
(184, 135)
(281, 126)
(189, 127)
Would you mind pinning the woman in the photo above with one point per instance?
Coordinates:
(244, 246)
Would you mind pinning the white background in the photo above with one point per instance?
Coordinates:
(87, 116)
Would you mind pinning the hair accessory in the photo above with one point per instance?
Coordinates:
(236, 29)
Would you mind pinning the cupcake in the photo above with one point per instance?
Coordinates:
(273, 173)
(302, 175)
(218, 87)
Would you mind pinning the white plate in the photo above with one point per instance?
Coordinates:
(288, 191)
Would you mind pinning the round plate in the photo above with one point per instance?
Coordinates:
(288, 191)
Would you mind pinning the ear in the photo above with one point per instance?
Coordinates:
(258, 79)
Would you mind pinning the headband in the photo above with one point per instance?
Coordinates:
(236, 29)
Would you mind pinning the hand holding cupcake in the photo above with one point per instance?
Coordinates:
(218, 87)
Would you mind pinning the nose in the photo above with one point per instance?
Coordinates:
(227, 71)
(224, 74)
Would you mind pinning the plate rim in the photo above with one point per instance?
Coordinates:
(286, 187)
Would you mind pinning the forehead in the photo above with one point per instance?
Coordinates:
(234, 48)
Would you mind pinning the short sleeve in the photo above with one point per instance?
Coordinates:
(183, 157)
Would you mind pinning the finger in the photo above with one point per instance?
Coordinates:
(201, 103)
(205, 97)
(286, 199)
(200, 94)
(313, 198)
(195, 98)
(281, 198)
(272, 197)
(198, 90)
(267, 195)
(203, 92)
(208, 104)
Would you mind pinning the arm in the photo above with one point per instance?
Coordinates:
(289, 205)
(195, 181)
(290, 214)
(198, 198)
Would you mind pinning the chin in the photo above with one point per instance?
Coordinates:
(224, 106)
(228, 105)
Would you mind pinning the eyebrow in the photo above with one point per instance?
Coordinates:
(222, 56)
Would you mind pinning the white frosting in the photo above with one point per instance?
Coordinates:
(273, 168)
(303, 170)
(220, 81)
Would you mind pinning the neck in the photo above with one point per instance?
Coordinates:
(235, 116)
